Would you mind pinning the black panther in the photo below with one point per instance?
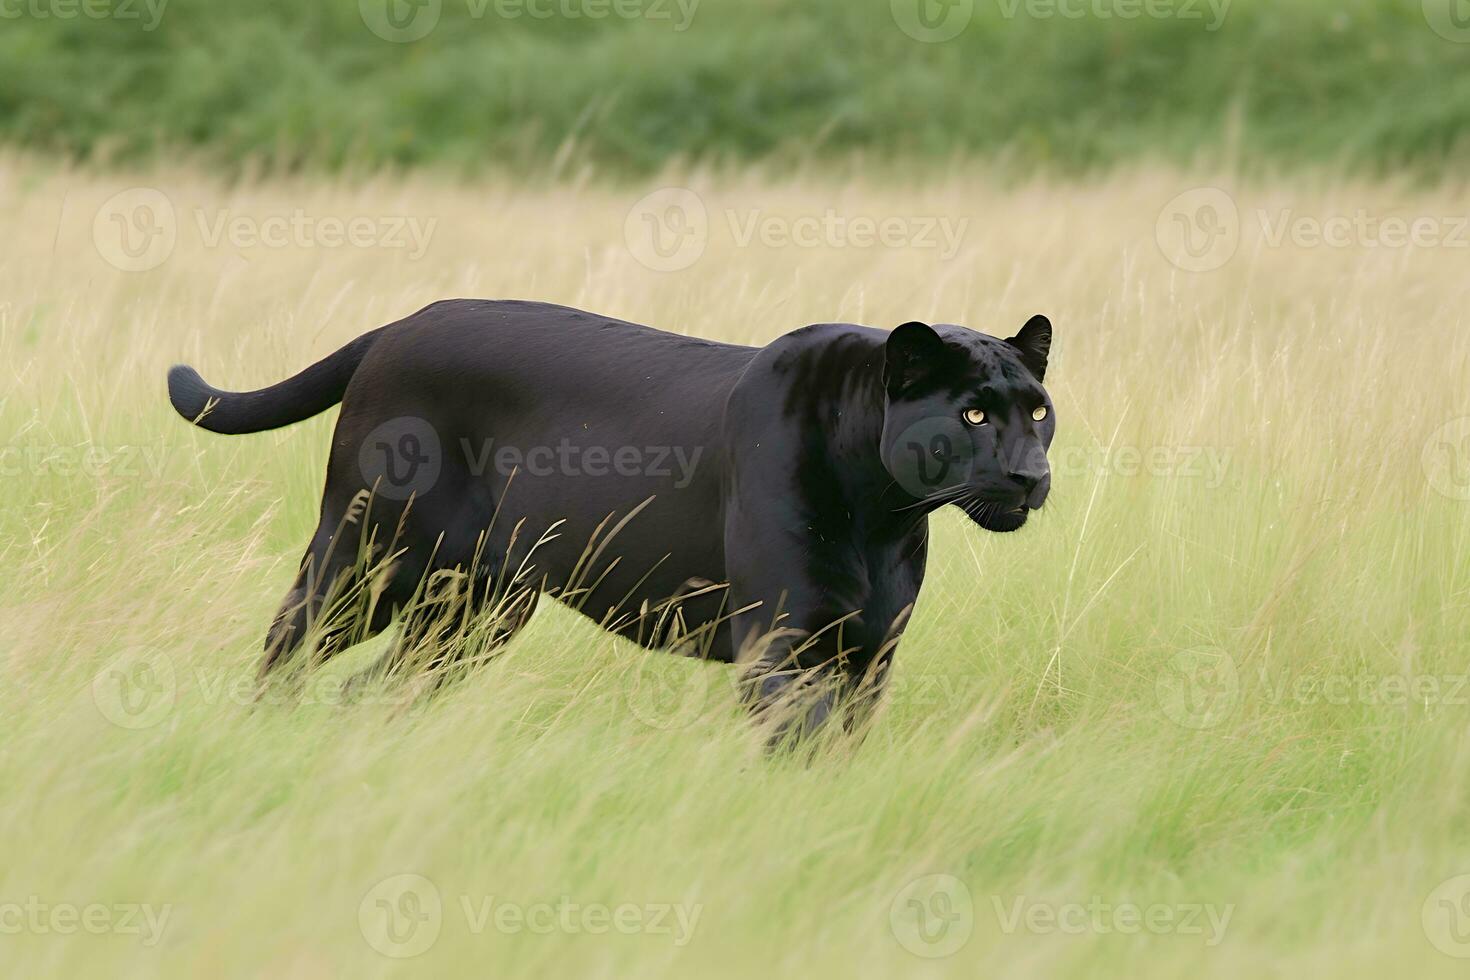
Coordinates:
(761, 505)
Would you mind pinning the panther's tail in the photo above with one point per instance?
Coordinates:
(314, 390)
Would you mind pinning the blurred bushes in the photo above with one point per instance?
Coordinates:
(1361, 84)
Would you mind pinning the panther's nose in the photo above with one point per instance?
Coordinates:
(1028, 478)
(1027, 467)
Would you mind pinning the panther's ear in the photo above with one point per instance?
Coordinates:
(1034, 343)
(913, 351)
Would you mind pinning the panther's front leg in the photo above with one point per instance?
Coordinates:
(819, 604)
(798, 678)
(824, 550)
(818, 615)
(793, 697)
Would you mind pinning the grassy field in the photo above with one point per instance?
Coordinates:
(629, 86)
(1206, 713)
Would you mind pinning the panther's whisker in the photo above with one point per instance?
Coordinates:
(939, 498)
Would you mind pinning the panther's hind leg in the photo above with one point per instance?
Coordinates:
(443, 639)
(328, 602)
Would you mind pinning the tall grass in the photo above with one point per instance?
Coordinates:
(1136, 699)
(1065, 85)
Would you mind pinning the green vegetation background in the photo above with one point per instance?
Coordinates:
(1362, 84)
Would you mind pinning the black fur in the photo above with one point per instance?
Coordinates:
(769, 504)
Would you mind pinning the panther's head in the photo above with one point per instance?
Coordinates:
(966, 420)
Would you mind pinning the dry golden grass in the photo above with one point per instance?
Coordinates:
(1224, 667)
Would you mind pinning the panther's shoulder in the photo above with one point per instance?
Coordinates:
(818, 336)
(809, 377)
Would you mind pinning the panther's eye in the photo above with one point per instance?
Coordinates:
(1040, 413)
(974, 416)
